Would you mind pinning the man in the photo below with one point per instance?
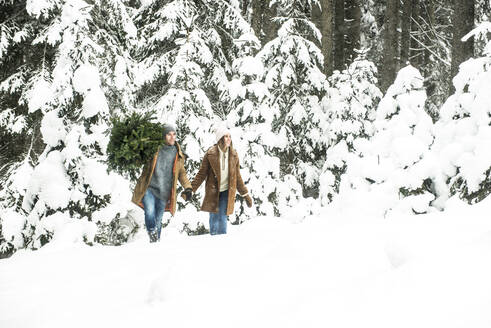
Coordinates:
(155, 190)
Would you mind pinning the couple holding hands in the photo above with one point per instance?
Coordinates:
(156, 188)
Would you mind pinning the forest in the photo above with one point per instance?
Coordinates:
(376, 103)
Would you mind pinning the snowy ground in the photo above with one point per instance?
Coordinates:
(328, 271)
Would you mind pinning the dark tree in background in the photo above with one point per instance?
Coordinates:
(415, 22)
(391, 44)
(406, 21)
(270, 27)
(257, 8)
(340, 26)
(353, 22)
(339, 32)
(263, 13)
(322, 16)
(430, 48)
(463, 23)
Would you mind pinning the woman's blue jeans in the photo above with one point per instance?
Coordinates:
(218, 221)
(154, 210)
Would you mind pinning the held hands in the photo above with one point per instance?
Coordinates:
(187, 194)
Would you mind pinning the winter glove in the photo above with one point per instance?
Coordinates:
(187, 194)
(248, 200)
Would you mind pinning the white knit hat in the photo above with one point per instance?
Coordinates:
(220, 131)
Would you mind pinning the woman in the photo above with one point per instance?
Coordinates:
(220, 168)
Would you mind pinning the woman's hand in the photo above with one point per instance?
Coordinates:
(187, 194)
(248, 200)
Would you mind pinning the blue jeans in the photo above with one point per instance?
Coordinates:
(218, 221)
(154, 210)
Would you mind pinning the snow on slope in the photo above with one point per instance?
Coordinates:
(332, 270)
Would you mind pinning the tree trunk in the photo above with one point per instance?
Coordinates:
(428, 16)
(353, 23)
(270, 28)
(415, 54)
(463, 23)
(262, 20)
(391, 44)
(339, 31)
(406, 31)
(257, 17)
(245, 9)
(323, 18)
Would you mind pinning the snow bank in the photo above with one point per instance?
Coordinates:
(330, 270)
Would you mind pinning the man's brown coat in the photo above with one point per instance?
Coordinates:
(178, 173)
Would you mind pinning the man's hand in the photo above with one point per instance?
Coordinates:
(187, 194)
(248, 200)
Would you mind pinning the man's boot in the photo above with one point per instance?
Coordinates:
(153, 236)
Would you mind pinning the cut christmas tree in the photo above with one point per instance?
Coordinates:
(133, 142)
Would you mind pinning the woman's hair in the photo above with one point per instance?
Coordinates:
(221, 142)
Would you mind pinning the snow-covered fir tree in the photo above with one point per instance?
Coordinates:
(69, 194)
(19, 61)
(296, 84)
(463, 133)
(250, 120)
(350, 106)
(395, 168)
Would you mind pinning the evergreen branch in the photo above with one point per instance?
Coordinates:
(13, 17)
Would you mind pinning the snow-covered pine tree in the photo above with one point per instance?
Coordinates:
(395, 169)
(463, 132)
(19, 61)
(350, 106)
(186, 53)
(250, 119)
(296, 84)
(69, 195)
